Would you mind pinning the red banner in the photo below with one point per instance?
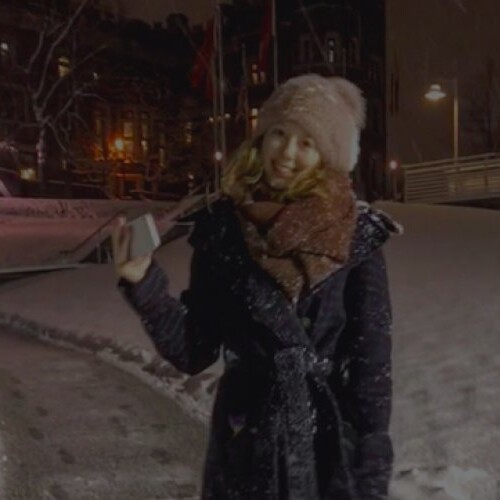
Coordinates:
(266, 32)
(202, 65)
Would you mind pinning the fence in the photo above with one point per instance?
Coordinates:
(469, 178)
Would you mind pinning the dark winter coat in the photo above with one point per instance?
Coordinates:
(303, 407)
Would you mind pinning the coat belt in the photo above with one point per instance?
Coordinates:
(294, 366)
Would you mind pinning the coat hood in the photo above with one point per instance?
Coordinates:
(374, 228)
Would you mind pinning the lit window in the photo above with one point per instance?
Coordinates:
(144, 148)
(4, 52)
(95, 75)
(331, 51)
(128, 129)
(63, 66)
(162, 157)
(129, 149)
(28, 174)
(255, 74)
(189, 132)
(254, 114)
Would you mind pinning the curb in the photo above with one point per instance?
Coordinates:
(193, 393)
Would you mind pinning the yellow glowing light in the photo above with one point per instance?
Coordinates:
(119, 145)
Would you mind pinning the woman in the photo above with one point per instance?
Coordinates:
(289, 280)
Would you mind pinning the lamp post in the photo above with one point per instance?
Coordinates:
(394, 168)
(436, 93)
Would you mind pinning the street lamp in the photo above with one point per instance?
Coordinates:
(393, 168)
(436, 93)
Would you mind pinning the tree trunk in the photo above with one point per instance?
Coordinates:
(41, 159)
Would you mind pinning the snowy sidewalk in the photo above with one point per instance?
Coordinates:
(446, 301)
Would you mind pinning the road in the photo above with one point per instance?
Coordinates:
(73, 427)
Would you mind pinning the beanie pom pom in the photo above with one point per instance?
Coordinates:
(353, 97)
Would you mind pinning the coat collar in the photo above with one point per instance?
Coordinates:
(218, 231)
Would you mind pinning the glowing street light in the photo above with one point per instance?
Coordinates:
(393, 165)
(436, 93)
(218, 156)
(393, 168)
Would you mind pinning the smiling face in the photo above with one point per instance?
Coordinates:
(288, 155)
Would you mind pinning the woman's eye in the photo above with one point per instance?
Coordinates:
(307, 143)
(278, 132)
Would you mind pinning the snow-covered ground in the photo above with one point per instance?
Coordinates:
(446, 300)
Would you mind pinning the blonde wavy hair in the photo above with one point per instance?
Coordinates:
(244, 175)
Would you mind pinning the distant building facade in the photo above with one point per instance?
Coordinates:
(140, 129)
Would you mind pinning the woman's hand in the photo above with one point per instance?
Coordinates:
(132, 270)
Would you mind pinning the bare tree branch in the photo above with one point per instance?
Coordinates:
(62, 79)
(36, 53)
(53, 46)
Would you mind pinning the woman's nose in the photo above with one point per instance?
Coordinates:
(290, 147)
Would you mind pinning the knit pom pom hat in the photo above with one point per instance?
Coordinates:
(332, 110)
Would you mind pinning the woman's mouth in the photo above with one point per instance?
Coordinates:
(283, 169)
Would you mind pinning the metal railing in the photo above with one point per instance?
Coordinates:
(184, 208)
(95, 234)
(469, 178)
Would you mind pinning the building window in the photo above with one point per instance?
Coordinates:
(128, 128)
(63, 67)
(28, 173)
(144, 135)
(128, 135)
(254, 114)
(353, 52)
(5, 54)
(255, 74)
(144, 126)
(331, 46)
(144, 148)
(188, 133)
(162, 155)
(258, 77)
(374, 72)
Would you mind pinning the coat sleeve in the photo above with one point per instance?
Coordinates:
(186, 332)
(370, 384)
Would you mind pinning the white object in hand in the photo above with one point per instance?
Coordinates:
(144, 236)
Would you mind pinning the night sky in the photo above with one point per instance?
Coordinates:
(157, 10)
